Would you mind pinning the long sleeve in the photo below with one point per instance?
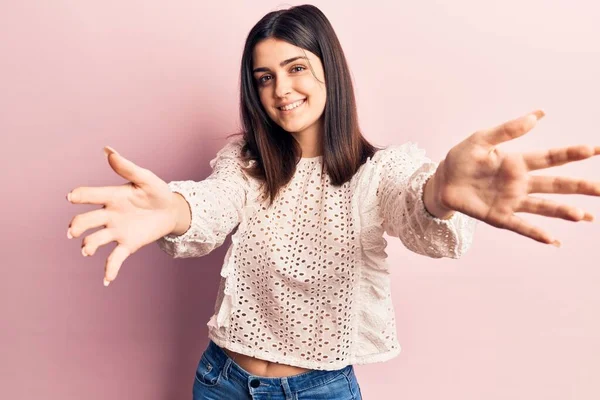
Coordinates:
(404, 171)
(215, 203)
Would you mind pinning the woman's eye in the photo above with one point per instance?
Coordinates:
(262, 80)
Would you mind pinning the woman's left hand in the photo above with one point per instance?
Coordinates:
(478, 179)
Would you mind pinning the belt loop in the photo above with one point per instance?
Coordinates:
(226, 368)
(286, 389)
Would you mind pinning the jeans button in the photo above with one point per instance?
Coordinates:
(255, 383)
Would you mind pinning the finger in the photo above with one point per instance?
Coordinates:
(91, 195)
(549, 208)
(520, 226)
(99, 238)
(511, 129)
(114, 262)
(89, 220)
(555, 157)
(563, 185)
(127, 169)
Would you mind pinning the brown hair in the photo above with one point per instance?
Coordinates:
(274, 150)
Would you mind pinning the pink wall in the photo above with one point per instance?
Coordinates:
(513, 319)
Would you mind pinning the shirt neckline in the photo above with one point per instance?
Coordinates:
(311, 158)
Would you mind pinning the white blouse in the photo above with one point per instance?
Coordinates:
(305, 282)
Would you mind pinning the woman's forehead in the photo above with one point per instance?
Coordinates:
(270, 52)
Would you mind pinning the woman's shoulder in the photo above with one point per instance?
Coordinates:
(396, 155)
(393, 151)
(232, 145)
(233, 150)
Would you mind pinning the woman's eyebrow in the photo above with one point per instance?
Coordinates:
(282, 64)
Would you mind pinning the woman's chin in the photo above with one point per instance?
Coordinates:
(291, 128)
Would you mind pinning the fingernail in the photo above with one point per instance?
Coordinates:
(555, 243)
(539, 114)
(69, 196)
(69, 234)
(106, 283)
(108, 150)
(83, 252)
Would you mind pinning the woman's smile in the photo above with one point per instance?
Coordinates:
(295, 106)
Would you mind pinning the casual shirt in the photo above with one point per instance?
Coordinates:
(306, 281)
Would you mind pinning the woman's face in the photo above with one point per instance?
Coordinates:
(281, 81)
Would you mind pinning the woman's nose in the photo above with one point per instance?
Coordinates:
(282, 87)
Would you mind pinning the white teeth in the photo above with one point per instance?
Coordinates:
(291, 106)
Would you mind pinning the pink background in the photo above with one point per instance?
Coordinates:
(158, 81)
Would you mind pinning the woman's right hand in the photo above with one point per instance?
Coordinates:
(133, 214)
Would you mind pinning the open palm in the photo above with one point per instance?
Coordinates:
(482, 181)
(133, 215)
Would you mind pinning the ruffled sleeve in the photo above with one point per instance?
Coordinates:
(216, 204)
(404, 171)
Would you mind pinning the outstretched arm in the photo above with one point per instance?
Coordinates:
(207, 210)
(404, 174)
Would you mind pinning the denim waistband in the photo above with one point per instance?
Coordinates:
(262, 384)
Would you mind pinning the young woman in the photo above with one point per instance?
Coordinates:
(305, 289)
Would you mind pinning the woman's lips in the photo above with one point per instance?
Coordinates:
(286, 112)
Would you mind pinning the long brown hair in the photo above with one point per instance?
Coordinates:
(274, 150)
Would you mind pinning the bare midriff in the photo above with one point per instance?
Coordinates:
(259, 367)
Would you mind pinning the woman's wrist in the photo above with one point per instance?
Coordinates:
(182, 214)
(432, 197)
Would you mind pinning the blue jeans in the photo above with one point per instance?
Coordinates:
(218, 377)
